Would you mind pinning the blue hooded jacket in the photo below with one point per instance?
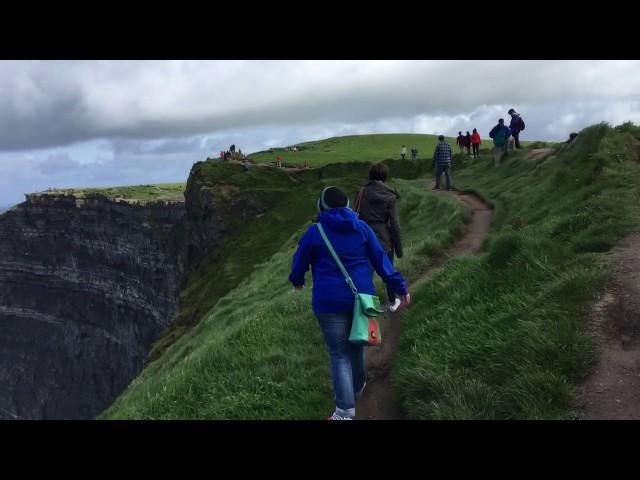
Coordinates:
(358, 248)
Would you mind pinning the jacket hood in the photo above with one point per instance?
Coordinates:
(339, 219)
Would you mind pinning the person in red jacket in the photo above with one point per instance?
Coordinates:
(475, 142)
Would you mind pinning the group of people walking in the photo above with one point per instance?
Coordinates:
(469, 141)
(364, 239)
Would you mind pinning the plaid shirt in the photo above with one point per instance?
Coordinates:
(442, 156)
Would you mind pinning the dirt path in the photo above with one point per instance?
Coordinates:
(538, 152)
(377, 402)
(612, 391)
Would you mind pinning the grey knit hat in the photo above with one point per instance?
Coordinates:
(332, 197)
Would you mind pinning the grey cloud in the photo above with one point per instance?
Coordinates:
(58, 102)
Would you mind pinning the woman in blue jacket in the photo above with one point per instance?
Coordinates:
(359, 250)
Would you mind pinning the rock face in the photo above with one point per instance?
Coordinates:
(86, 286)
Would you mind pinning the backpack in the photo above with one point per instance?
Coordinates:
(521, 124)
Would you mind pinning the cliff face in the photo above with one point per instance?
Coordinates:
(86, 285)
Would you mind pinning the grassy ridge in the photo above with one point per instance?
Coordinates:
(160, 191)
(503, 335)
(258, 353)
(368, 148)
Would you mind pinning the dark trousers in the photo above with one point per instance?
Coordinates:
(390, 293)
(440, 169)
(516, 137)
(476, 149)
(468, 149)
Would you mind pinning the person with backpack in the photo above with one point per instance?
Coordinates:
(403, 151)
(475, 143)
(516, 126)
(467, 143)
(460, 142)
(360, 251)
(500, 133)
(442, 157)
(375, 204)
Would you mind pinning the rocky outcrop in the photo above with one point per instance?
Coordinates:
(86, 285)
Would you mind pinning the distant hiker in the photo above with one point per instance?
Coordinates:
(332, 300)
(239, 152)
(414, 154)
(232, 148)
(227, 155)
(403, 151)
(500, 133)
(442, 162)
(475, 143)
(460, 142)
(221, 154)
(306, 164)
(516, 126)
(467, 142)
(279, 162)
(376, 204)
(295, 149)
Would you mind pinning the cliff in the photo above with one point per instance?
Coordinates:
(86, 285)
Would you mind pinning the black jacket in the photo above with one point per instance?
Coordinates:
(378, 209)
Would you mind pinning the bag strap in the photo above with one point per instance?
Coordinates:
(358, 203)
(347, 278)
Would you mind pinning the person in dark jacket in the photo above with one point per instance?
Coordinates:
(515, 125)
(359, 250)
(376, 204)
(467, 143)
(460, 142)
(500, 134)
(442, 162)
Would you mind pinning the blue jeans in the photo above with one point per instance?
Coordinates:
(440, 169)
(348, 371)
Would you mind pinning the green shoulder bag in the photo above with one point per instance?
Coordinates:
(365, 329)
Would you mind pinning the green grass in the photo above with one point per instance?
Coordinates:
(161, 191)
(368, 148)
(500, 335)
(257, 352)
(504, 335)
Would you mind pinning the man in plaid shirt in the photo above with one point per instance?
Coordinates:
(442, 161)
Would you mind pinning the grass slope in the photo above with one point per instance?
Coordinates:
(257, 353)
(504, 335)
(369, 148)
(501, 335)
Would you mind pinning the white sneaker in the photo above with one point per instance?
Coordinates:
(395, 305)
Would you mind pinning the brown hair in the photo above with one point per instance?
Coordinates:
(379, 171)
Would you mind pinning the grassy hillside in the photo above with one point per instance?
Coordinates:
(504, 335)
(161, 191)
(501, 335)
(351, 148)
(257, 352)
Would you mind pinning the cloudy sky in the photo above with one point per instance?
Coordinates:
(100, 123)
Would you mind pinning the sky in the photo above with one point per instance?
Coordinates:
(103, 123)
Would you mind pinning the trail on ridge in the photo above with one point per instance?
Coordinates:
(377, 402)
